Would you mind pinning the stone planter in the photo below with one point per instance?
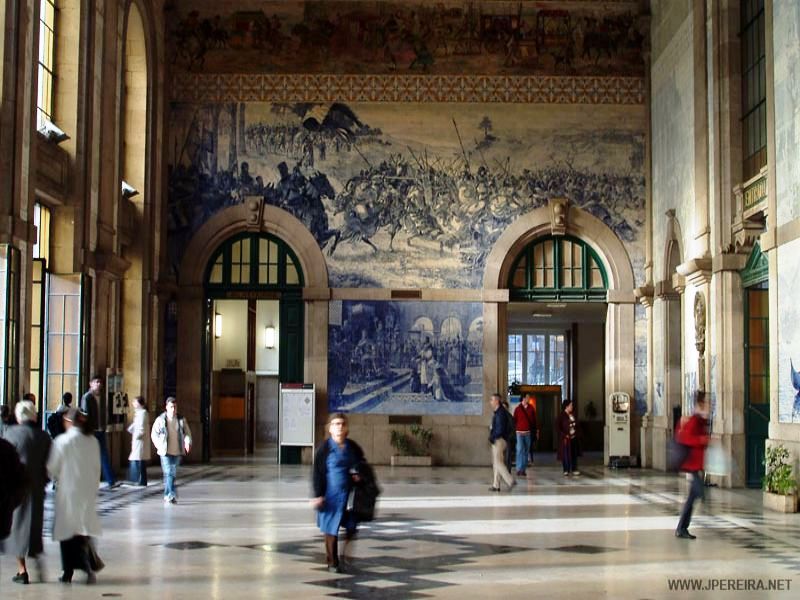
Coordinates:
(780, 503)
(401, 460)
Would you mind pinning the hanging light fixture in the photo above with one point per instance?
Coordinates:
(269, 337)
(217, 325)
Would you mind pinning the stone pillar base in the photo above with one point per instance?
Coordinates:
(661, 435)
(646, 442)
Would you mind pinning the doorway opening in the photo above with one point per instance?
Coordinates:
(556, 351)
(756, 364)
(556, 335)
(244, 377)
(253, 341)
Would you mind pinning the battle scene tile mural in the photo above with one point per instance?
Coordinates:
(447, 37)
(405, 358)
(406, 195)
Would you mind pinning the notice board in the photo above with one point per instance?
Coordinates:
(296, 415)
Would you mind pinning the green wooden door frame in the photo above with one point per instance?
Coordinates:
(291, 326)
(755, 280)
(558, 292)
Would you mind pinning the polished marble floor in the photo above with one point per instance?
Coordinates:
(244, 529)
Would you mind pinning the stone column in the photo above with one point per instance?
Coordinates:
(620, 336)
(645, 296)
(316, 354)
(727, 354)
(190, 367)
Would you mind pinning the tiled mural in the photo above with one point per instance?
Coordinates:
(786, 34)
(789, 333)
(406, 195)
(419, 358)
(445, 37)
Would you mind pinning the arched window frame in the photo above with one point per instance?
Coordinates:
(558, 291)
(224, 256)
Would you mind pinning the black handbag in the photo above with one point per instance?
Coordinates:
(364, 494)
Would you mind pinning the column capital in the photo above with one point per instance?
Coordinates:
(644, 294)
(697, 271)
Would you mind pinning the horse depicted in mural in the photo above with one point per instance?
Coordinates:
(302, 195)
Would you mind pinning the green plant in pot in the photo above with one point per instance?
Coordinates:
(779, 484)
(414, 442)
(778, 472)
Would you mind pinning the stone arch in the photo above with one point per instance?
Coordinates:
(252, 215)
(673, 247)
(245, 217)
(582, 225)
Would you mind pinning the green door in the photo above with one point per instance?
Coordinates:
(756, 405)
(290, 346)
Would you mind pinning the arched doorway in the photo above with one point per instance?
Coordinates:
(214, 241)
(559, 220)
(557, 291)
(254, 339)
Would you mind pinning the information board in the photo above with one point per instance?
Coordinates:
(296, 415)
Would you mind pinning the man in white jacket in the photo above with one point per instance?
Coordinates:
(173, 439)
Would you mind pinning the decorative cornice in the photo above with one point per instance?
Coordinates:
(527, 89)
(697, 271)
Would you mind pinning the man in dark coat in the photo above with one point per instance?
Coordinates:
(92, 406)
(502, 425)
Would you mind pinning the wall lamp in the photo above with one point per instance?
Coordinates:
(217, 325)
(269, 337)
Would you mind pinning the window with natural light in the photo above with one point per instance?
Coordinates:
(44, 99)
(536, 358)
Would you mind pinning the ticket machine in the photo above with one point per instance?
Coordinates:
(619, 429)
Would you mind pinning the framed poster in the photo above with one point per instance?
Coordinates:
(296, 415)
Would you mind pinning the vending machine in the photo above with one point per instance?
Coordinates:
(619, 429)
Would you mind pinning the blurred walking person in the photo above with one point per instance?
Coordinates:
(693, 434)
(74, 464)
(33, 446)
(334, 461)
(140, 444)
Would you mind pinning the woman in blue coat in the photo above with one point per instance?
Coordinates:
(333, 461)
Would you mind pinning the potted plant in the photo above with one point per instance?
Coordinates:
(413, 447)
(780, 488)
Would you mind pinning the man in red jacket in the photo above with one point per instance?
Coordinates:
(694, 434)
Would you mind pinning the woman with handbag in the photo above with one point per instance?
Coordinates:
(335, 460)
(74, 464)
(567, 426)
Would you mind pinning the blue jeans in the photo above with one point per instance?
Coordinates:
(696, 491)
(137, 472)
(523, 449)
(105, 460)
(169, 466)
